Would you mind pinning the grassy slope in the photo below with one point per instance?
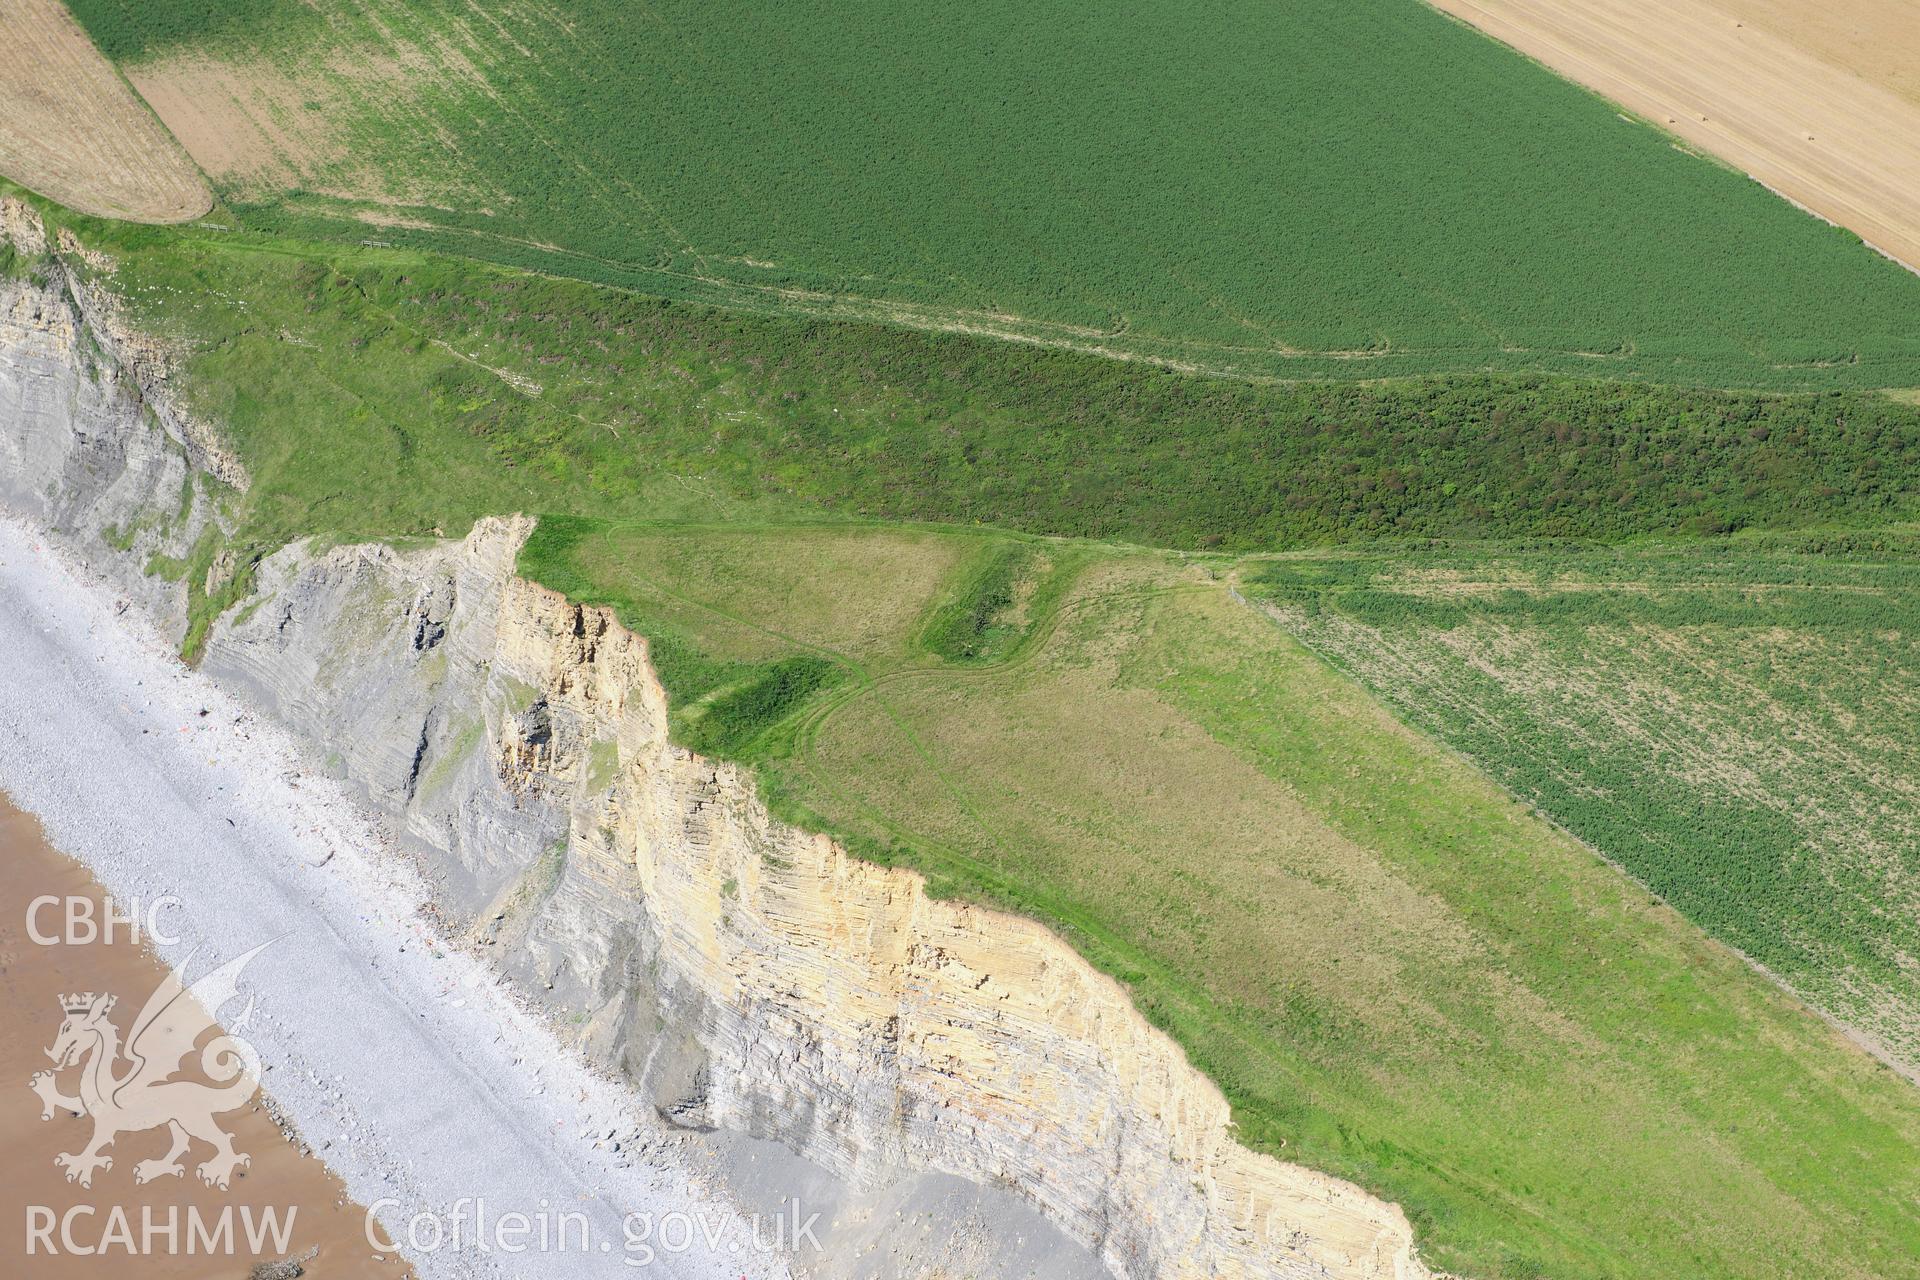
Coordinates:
(1740, 730)
(1346, 946)
(445, 392)
(1397, 973)
(1248, 185)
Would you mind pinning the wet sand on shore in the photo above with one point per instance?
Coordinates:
(33, 978)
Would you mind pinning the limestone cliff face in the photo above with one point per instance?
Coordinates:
(82, 449)
(867, 1022)
(746, 976)
(147, 364)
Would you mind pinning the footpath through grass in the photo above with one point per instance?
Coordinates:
(1293, 188)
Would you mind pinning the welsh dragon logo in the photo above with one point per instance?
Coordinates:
(132, 1088)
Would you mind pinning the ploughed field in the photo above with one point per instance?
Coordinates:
(70, 129)
(889, 569)
(1818, 101)
(1301, 189)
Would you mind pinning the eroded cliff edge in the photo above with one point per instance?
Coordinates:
(746, 976)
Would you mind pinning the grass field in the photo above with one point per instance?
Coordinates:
(1396, 972)
(1306, 189)
(1738, 727)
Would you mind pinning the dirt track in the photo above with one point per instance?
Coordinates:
(1786, 102)
(72, 130)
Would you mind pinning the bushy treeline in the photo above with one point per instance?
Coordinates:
(887, 422)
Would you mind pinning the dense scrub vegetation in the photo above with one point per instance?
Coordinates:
(730, 724)
(977, 623)
(1577, 1086)
(1309, 188)
(877, 421)
(444, 394)
(1394, 973)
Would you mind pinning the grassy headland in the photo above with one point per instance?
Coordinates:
(888, 569)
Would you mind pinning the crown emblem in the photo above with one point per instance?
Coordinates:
(162, 1039)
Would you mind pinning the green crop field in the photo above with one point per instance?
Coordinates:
(1739, 727)
(1300, 189)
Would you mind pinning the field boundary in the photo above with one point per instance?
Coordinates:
(1816, 135)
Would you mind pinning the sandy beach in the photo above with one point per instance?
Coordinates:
(402, 1061)
(39, 957)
